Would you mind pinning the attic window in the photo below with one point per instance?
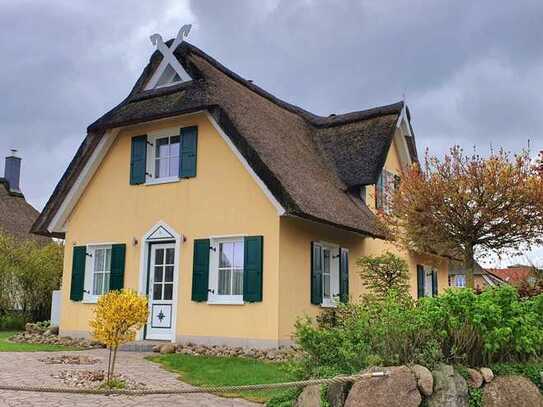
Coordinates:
(168, 77)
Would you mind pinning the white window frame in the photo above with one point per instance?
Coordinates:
(151, 158)
(213, 295)
(333, 299)
(88, 289)
(460, 282)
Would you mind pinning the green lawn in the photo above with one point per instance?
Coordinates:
(226, 371)
(6, 346)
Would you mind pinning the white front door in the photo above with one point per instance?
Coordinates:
(162, 302)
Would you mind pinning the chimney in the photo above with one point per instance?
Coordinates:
(12, 172)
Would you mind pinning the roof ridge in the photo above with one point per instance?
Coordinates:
(312, 118)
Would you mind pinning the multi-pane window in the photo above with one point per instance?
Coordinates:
(163, 273)
(328, 262)
(460, 280)
(387, 184)
(230, 267)
(166, 157)
(101, 270)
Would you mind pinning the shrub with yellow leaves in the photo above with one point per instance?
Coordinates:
(118, 315)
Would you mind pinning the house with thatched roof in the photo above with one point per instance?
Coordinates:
(235, 212)
(16, 214)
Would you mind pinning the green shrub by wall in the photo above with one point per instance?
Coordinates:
(458, 327)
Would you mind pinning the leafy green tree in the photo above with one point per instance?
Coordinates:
(29, 273)
(381, 274)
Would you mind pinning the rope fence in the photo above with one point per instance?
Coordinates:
(195, 390)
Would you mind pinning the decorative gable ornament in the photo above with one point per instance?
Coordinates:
(160, 233)
(169, 71)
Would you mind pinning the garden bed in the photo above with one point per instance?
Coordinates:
(96, 379)
(7, 345)
(42, 333)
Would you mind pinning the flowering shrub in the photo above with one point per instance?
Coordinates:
(118, 315)
(458, 327)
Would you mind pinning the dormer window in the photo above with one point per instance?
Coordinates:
(386, 185)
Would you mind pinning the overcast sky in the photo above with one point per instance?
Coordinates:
(471, 72)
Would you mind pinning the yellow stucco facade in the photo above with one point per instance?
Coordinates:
(224, 199)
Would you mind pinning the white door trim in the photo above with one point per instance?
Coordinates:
(144, 261)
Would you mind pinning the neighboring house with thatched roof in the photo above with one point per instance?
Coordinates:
(16, 215)
(233, 211)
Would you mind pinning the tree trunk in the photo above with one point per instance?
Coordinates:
(469, 267)
(113, 362)
(108, 378)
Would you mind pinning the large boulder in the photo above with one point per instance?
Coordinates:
(509, 391)
(398, 389)
(475, 379)
(167, 348)
(425, 380)
(309, 397)
(450, 388)
(337, 393)
(488, 374)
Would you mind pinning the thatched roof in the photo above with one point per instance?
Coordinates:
(311, 164)
(17, 215)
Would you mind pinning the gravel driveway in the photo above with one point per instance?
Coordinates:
(25, 368)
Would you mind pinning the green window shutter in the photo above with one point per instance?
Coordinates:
(116, 278)
(200, 270)
(344, 275)
(189, 148)
(138, 160)
(252, 268)
(316, 274)
(79, 257)
(434, 284)
(420, 281)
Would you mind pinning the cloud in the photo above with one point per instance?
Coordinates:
(472, 72)
(64, 64)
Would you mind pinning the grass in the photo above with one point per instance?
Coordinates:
(227, 371)
(6, 346)
(114, 383)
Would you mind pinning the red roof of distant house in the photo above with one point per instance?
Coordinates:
(513, 274)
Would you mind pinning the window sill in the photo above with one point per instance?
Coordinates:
(159, 181)
(328, 305)
(225, 301)
(92, 300)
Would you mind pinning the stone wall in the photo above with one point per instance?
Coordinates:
(413, 386)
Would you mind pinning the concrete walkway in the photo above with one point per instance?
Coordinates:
(24, 368)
